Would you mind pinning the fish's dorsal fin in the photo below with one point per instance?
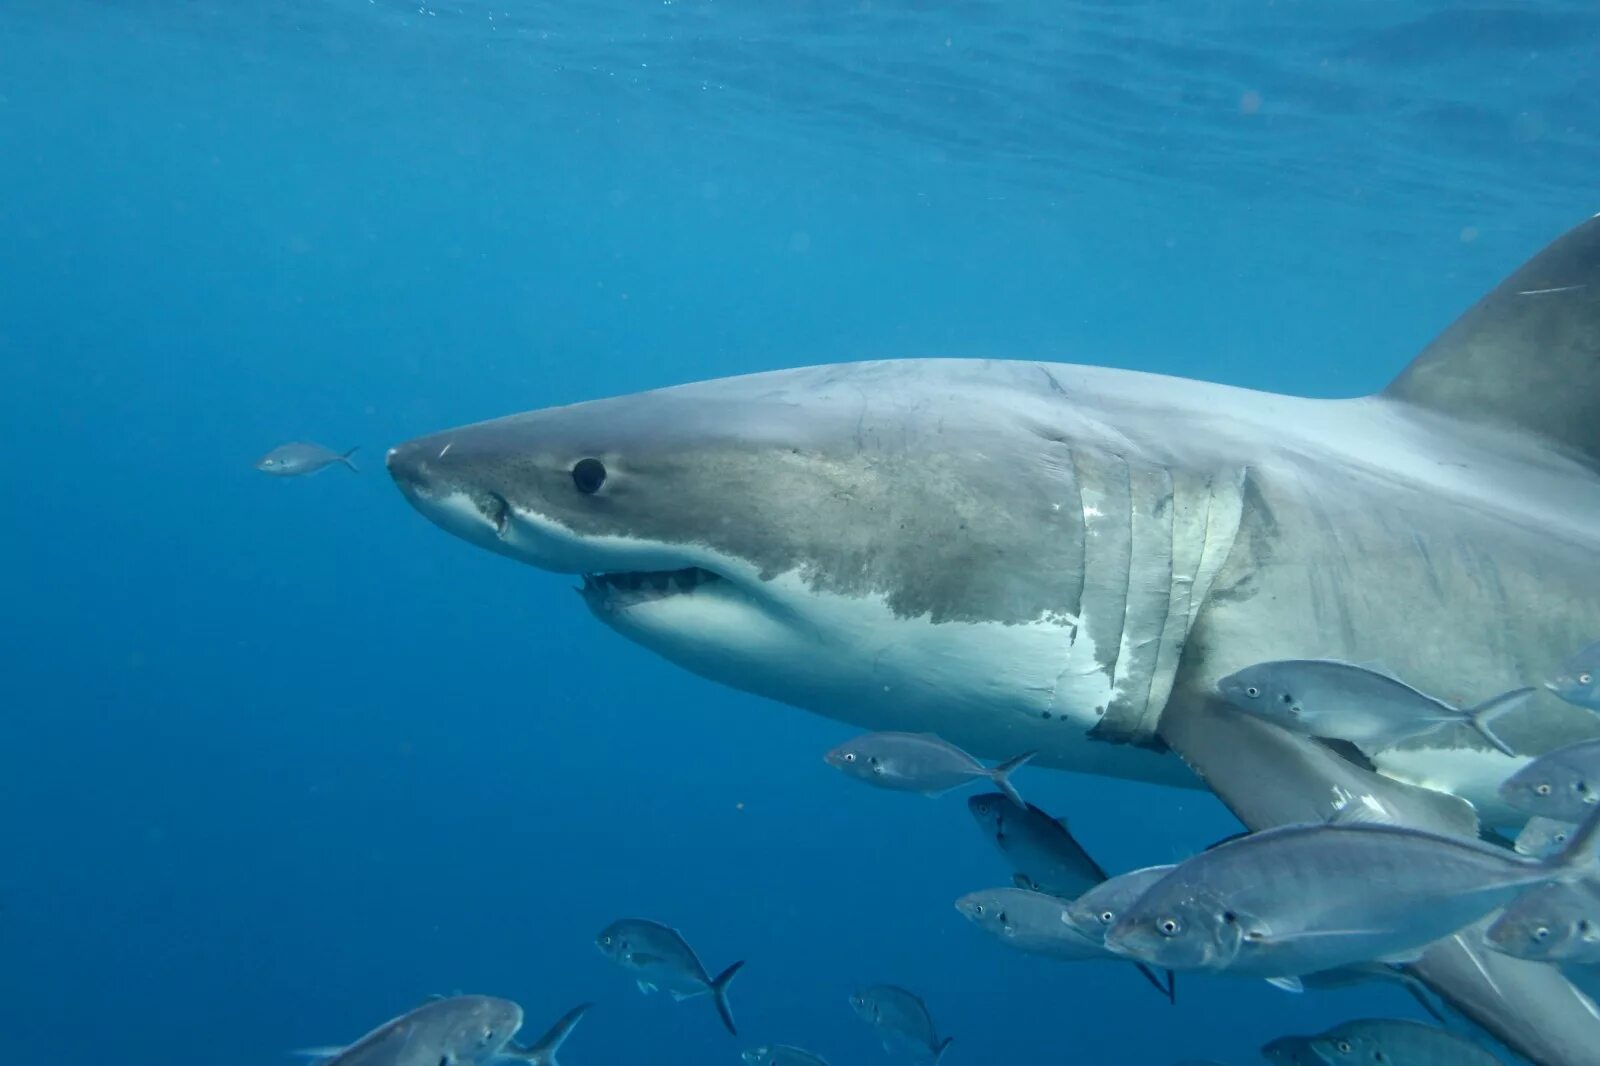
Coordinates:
(1526, 357)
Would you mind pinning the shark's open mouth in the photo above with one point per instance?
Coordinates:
(637, 585)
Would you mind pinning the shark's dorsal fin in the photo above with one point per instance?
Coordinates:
(1526, 357)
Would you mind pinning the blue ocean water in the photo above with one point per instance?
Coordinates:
(281, 759)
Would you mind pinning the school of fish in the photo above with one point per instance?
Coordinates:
(1302, 906)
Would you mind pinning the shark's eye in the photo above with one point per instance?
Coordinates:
(588, 475)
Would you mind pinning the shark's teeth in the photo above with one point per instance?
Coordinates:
(647, 584)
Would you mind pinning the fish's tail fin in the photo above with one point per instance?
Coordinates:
(345, 459)
(1487, 711)
(944, 1045)
(1581, 856)
(1001, 776)
(719, 994)
(543, 1051)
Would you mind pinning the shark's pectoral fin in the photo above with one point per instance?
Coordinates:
(1268, 776)
(1526, 357)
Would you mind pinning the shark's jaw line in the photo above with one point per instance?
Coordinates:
(1043, 683)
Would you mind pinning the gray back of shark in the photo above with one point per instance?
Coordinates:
(457, 1031)
(1026, 556)
(1043, 853)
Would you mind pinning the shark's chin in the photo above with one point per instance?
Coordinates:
(700, 619)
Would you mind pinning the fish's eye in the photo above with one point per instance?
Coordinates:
(849, 756)
(1584, 679)
(977, 908)
(1169, 926)
(1344, 1047)
(1542, 789)
(1252, 691)
(1108, 917)
(1542, 933)
(588, 475)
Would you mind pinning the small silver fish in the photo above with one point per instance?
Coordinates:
(1042, 851)
(1578, 679)
(454, 1031)
(1097, 910)
(1551, 923)
(919, 762)
(299, 458)
(1299, 899)
(1543, 837)
(781, 1055)
(1036, 923)
(659, 958)
(1563, 784)
(1343, 701)
(902, 1020)
(1397, 1042)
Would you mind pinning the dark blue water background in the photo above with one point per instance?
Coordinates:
(280, 759)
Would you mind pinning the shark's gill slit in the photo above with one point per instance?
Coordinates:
(497, 511)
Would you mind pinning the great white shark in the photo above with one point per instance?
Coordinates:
(1037, 556)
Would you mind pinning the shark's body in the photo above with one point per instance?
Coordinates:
(1027, 556)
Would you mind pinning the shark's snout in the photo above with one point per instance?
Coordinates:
(405, 465)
